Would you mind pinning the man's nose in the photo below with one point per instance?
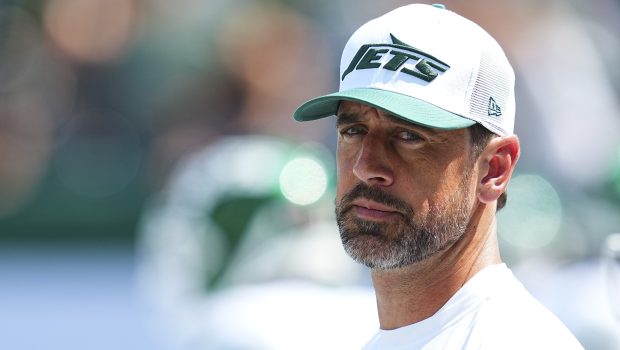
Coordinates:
(372, 164)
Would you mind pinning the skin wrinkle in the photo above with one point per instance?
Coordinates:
(440, 223)
(434, 136)
(444, 192)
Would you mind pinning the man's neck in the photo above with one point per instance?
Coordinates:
(416, 292)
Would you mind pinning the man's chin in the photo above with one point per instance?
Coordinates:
(379, 250)
(373, 249)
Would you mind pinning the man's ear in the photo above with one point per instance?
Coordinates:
(496, 164)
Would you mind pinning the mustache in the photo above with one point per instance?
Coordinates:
(375, 194)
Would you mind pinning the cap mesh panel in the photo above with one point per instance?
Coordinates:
(493, 80)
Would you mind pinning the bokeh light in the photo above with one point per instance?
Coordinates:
(613, 244)
(303, 181)
(91, 30)
(533, 214)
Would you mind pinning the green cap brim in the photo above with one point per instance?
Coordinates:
(402, 106)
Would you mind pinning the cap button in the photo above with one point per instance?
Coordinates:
(440, 6)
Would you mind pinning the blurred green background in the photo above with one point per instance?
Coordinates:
(102, 102)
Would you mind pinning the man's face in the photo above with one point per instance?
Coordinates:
(404, 191)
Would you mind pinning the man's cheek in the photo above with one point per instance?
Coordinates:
(344, 177)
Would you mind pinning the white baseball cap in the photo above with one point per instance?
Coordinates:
(426, 65)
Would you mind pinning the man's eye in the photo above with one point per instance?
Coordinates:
(352, 131)
(409, 136)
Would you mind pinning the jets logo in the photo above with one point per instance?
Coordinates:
(494, 108)
(399, 53)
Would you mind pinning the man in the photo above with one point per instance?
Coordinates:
(425, 116)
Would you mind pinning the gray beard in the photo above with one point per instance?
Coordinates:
(386, 246)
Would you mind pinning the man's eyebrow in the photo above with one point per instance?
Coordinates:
(414, 126)
(347, 118)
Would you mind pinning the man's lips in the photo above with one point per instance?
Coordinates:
(370, 210)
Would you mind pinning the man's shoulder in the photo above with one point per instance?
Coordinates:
(492, 311)
(521, 326)
(512, 318)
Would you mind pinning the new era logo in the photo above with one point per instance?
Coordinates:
(494, 108)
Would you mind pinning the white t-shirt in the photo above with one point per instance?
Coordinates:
(491, 311)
